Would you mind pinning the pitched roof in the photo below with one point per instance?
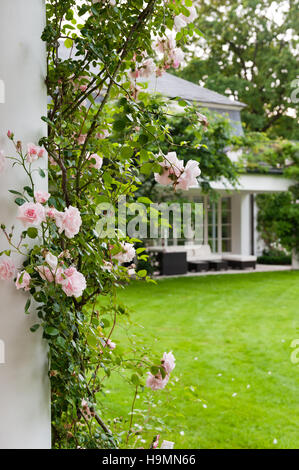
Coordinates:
(173, 86)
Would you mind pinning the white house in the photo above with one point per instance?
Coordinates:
(229, 225)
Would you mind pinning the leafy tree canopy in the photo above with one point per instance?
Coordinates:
(250, 51)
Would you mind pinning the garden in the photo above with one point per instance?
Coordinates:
(126, 105)
(234, 385)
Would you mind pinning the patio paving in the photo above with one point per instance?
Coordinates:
(260, 268)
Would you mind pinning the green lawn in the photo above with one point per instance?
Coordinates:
(230, 335)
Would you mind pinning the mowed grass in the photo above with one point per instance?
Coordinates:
(234, 385)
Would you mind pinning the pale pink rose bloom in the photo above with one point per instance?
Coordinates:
(7, 269)
(74, 283)
(69, 221)
(41, 196)
(9, 134)
(135, 90)
(32, 152)
(31, 213)
(165, 44)
(159, 72)
(148, 68)
(81, 139)
(203, 119)
(25, 282)
(45, 273)
(110, 344)
(2, 161)
(51, 212)
(179, 23)
(192, 16)
(51, 260)
(127, 254)
(40, 152)
(98, 161)
(50, 272)
(168, 362)
(189, 177)
(134, 74)
(103, 134)
(156, 382)
(173, 168)
(83, 87)
(131, 272)
(177, 56)
(156, 442)
(85, 409)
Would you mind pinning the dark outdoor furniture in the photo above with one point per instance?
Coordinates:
(171, 263)
(239, 264)
(217, 265)
(198, 266)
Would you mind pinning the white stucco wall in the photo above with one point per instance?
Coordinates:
(24, 386)
(256, 183)
(241, 233)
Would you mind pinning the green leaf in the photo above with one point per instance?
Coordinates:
(41, 173)
(35, 327)
(32, 232)
(142, 273)
(144, 200)
(68, 43)
(19, 201)
(27, 305)
(135, 379)
(51, 331)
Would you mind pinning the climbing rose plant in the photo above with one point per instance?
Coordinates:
(99, 56)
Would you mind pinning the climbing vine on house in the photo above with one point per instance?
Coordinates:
(99, 55)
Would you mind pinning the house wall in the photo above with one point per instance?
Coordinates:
(24, 386)
(241, 224)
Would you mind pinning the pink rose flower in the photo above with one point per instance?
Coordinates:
(23, 281)
(41, 196)
(168, 362)
(2, 161)
(10, 134)
(172, 169)
(110, 344)
(81, 139)
(31, 213)
(156, 382)
(7, 269)
(189, 178)
(134, 74)
(40, 152)
(72, 282)
(103, 134)
(51, 212)
(98, 161)
(127, 254)
(68, 221)
(148, 68)
(192, 15)
(179, 23)
(32, 153)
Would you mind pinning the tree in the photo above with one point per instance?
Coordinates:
(250, 51)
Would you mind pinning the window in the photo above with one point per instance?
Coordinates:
(226, 224)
